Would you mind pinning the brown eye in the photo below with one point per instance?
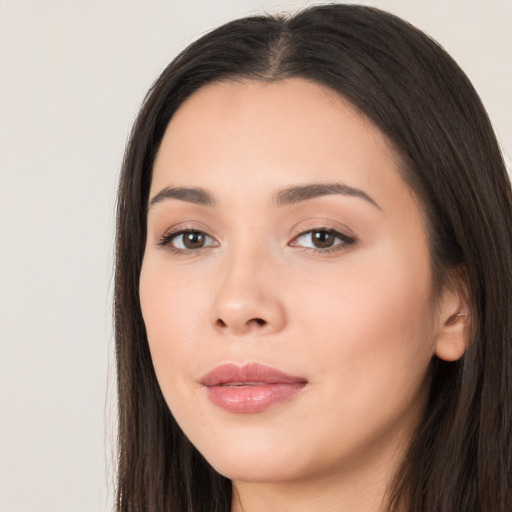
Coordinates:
(193, 239)
(322, 239)
(187, 240)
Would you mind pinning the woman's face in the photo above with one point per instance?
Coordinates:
(286, 285)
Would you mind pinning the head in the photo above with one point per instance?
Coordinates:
(419, 110)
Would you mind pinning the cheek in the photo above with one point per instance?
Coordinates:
(368, 341)
(174, 313)
(375, 318)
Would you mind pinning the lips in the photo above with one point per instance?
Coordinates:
(250, 388)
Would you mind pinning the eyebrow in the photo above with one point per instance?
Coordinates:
(285, 197)
(190, 195)
(301, 193)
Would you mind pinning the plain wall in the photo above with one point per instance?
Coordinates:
(72, 75)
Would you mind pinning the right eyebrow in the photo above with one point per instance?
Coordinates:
(190, 195)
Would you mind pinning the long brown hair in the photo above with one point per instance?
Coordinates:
(461, 457)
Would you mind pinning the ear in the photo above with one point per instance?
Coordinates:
(454, 323)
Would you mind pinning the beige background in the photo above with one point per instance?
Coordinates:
(72, 74)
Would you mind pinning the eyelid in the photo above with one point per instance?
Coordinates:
(321, 224)
(181, 229)
(346, 239)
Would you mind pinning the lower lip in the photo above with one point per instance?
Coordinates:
(252, 399)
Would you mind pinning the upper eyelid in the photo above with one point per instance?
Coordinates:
(166, 242)
(316, 230)
(336, 232)
(320, 225)
(185, 227)
(295, 233)
(320, 228)
(170, 234)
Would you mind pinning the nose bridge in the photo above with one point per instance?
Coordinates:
(247, 298)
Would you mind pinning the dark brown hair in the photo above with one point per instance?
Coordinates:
(460, 459)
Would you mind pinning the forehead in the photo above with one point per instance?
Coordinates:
(252, 135)
(283, 110)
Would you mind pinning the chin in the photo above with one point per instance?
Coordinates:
(255, 471)
(252, 462)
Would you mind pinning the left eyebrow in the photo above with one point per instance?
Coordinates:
(293, 195)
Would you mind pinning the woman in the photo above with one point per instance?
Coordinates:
(313, 279)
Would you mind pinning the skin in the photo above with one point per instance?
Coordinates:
(357, 320)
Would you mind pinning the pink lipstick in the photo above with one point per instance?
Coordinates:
(250, 388)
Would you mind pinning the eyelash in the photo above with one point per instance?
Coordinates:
(166, 240)
(346, 240)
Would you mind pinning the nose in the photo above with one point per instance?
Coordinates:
(248, 298)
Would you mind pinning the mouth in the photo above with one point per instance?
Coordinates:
(251, 388)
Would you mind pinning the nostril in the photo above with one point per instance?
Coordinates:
(259, 321)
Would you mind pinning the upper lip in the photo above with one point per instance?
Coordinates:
(251, 373)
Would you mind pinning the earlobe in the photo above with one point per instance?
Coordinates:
(454, 327)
